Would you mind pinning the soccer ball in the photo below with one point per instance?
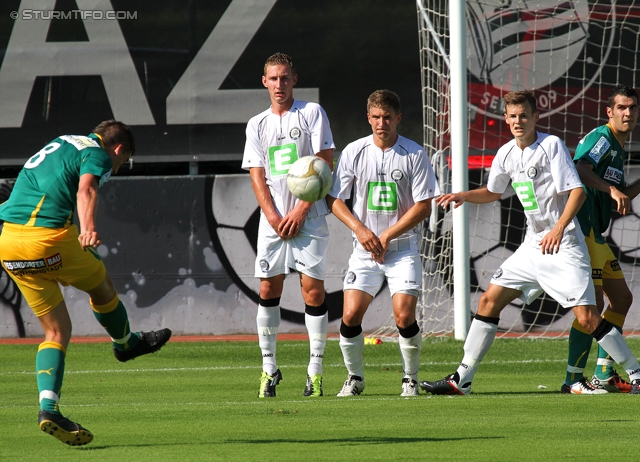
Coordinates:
(309, 178)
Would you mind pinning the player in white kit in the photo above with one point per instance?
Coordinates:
(394, 183)
(553, 257)
(292, 233)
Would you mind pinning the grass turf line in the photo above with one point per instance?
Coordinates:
(197, 401)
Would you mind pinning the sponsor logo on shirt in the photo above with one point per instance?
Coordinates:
(281, 158)
(613, 174)
(80, 142)
(599, 149)
(382, 197)
(527, 195)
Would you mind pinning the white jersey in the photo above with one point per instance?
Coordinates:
(275, 142)
(542, 175)
(387, 183)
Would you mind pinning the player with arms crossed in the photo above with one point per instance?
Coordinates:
(553, 257)
(292, 233)
(394, 184)
(41, 247)
(600, 160)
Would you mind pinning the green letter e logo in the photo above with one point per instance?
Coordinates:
(527, 195)
(382, 197)
(281, 158)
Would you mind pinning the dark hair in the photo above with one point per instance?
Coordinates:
(115, 132)
(621, 90)
(520, 97)
(384, 99)
(280, 58)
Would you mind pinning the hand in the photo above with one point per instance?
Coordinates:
(384, 239)
(369, 241)
(550, 243)
(290, 225)
(446, 199)
(623, 202)
(89, 239)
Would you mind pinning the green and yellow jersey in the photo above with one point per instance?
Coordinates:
(45, 192)
(602, 149)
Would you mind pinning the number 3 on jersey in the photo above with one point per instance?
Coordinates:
(527, 195)
(39, 156)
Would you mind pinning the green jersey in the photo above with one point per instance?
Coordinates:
(601, 148)
(45, 192)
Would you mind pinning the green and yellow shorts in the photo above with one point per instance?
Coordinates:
(37, 259)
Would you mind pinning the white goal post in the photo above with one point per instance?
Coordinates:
(472, 52)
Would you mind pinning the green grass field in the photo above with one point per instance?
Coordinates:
(197, 401)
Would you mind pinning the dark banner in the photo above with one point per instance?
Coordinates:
(187, 75)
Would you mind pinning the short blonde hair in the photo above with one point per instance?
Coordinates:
(384, 99)
(280, 59)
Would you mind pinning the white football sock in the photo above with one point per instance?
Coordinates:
(352, 353)
(268, 321)
(479, 340)
(614, 344)
(317, 328)
(410, 350)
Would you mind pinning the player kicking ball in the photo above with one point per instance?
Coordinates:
(394, 183)
(553, 257)
(40, 247)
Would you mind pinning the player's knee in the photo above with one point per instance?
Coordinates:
(271, 287)
(351, 317)
(269, 291)
(314, 296)
(104, 292)
(488, 307)
(588, 317)
(405, 319)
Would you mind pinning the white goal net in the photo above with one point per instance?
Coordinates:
(570, 54)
